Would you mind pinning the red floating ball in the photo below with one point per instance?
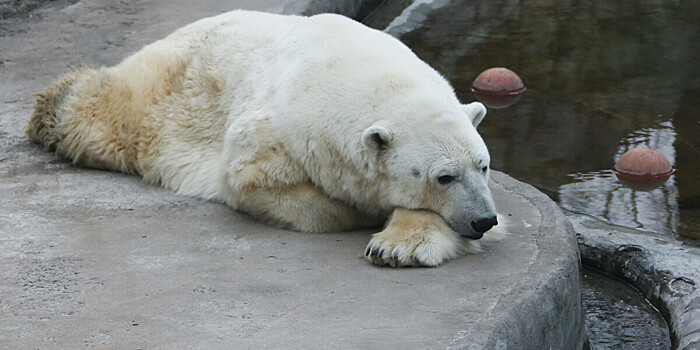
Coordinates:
(498, 87)
(643, 169)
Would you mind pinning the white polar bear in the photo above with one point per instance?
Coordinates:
(311, 123)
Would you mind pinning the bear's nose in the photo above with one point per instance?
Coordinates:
(484, 225)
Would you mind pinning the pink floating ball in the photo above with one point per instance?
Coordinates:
(643, 169)
(498, 87)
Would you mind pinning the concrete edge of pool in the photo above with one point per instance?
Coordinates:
(663, 269)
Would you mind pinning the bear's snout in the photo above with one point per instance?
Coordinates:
(482, 225)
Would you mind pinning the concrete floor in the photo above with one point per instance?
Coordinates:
(100, 259)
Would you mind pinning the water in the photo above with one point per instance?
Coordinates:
(602, 77)
(618, 316)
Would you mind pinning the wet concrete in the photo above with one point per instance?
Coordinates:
(100, 259)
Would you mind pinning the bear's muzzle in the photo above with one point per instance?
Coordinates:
(479, 227)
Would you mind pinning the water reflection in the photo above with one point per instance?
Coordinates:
(602, 77)
(600, 194)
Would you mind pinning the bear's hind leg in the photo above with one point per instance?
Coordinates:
(88, 117)
(416, 238)
(43, 127)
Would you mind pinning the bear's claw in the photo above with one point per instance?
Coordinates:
(414, 238)
(423, 252)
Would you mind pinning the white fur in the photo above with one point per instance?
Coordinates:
(315, 124)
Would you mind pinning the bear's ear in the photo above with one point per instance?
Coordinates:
(475, 111)
(377, 137)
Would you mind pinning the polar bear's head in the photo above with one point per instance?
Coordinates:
(435, 160)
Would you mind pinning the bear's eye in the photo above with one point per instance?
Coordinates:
(484, 169)
(445, 179)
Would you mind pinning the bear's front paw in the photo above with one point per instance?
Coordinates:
(411, 248)
(414, 238)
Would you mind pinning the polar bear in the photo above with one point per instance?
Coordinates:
(314, 124)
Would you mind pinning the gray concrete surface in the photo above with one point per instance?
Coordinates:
(664, 269)
(100, 259)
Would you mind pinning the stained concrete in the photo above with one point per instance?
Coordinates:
(100, 259)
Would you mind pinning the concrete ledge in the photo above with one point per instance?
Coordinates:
(665, 270)
(545, 310)
(94, 258)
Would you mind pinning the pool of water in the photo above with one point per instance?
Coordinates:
(618, 316)
(602, 77)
